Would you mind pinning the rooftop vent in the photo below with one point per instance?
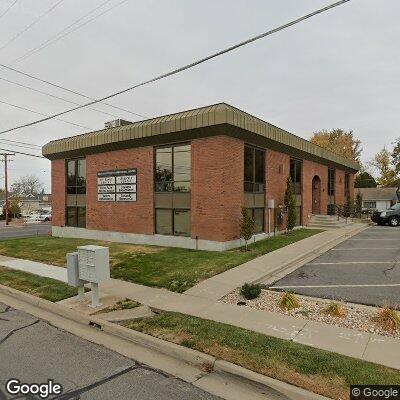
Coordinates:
(116, 123)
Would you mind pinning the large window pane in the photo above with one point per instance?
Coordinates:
(163, 164)
(258, 216)
(164, 222)
(71, 173)
(295, 174)
(181, 166)
(259, 166)
(81, 211)
(71, 216)
(81, 176)
(182, 222)
(248, 164)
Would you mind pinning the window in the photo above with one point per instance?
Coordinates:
(258, 217)
(173, 222)
(254, 169)
(331, 182)
(172, 170)
(76, 191)
(295, 174)
(369, 204)
(346, 184)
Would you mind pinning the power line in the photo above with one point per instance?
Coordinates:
(47, 116)
(31, 25)
(67, 90)
(8, 8)
(16, 141)
(186, 67)
(53, 96)
(67, 31)
(25, 154)
(19, 145)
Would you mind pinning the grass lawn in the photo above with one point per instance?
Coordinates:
(319, 371)
(46, 288)
(172, 268)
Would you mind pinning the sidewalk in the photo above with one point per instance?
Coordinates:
(370, 347)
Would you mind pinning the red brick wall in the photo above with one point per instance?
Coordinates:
(310, 169)
(217, 188)
(58, 192)
(339, 187)
(277, 169)
(133, 217)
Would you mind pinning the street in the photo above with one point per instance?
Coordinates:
(34, 351)
(13, 232)
(363, 269)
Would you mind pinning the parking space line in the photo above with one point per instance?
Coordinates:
(355, 262)
(374, 239)
(333, 286)
(365, 248)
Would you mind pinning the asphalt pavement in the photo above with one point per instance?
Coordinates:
(34, 351)
(28, 230)
(363, 269)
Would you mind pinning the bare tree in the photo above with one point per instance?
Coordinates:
(27, 185)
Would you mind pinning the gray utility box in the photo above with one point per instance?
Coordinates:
(93, 263)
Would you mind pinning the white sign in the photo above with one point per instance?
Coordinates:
(106, 180)
(106, 189)
(106, 196)
(126, 188)
(126, 196)
(126, 179)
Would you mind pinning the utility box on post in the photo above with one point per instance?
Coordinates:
(94, 263)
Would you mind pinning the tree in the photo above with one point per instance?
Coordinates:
(290, 204)
(340, 142)
(358, 205)
(383, 163)
(348, 207)
(14, 208)
(246, 226)
(27, 185)
(364, 180)
(396, 156)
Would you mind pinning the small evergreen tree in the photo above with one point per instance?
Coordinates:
(246, 226)
(348, 207)
(290, 204)
(358, 205)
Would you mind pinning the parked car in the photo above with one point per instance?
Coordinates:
(43, 216)
(390, 216)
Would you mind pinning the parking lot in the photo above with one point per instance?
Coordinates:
(363, 269)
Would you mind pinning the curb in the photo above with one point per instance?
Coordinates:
(297, 262)
(203, 361)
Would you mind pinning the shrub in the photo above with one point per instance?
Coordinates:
(250, 291)
(289, 301)
(246, 226)
(290, 204)
(388, 319)
(335, 310)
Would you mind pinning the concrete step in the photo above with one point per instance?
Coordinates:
(326, 226)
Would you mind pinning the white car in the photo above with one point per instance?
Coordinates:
(43, 217)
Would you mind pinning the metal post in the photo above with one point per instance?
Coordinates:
(6, 183)
(81, 293)
(95, 295)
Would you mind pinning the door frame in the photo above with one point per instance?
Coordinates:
(316, 195)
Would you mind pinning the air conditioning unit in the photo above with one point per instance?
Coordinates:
(116, 123)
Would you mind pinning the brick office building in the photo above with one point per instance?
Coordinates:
(181, 179)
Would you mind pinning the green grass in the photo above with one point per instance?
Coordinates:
(320, 371)
(172, 268)
(46, 288)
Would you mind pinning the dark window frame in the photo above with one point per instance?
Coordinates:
(171, 183)
(346, 184)
(331, 181)
(254, 186)
(298, 172)
(78, 190)
(173, 210)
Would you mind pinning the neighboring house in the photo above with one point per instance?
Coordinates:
(29, 203)
(379, 198)
(182, 179)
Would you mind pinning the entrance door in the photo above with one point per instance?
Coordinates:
(316, 195)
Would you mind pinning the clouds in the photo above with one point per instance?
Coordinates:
(338, 69)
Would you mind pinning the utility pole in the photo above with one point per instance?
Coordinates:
(5, 155)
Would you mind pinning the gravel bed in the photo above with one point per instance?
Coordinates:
(357, 316)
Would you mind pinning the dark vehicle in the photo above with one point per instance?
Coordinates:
(390, 216)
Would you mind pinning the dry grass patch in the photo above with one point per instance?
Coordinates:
(388, 319)
(289, 301)
(335, 310)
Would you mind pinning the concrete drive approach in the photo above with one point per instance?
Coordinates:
(14, 232)
(363, 269)
(31, 350)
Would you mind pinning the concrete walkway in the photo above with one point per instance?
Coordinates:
(370, 347)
